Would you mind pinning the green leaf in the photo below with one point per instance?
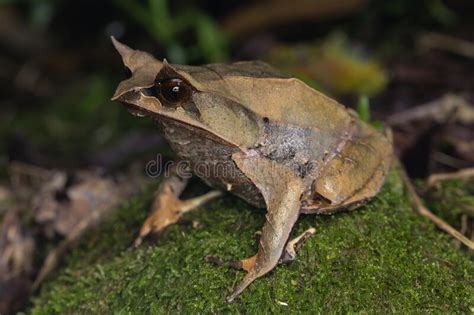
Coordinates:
(210, 40)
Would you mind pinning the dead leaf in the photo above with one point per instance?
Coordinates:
(16, 247)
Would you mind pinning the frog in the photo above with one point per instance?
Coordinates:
(261, 135)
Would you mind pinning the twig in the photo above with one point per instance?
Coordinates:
(449, 160)
(449, 106)
(464, 225)
(461, 174)
(418, 204)
(29, 170)
(451, 44)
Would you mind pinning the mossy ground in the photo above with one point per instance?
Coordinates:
(381, 258)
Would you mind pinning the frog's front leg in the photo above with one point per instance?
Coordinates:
(167, 208)
(282, 190)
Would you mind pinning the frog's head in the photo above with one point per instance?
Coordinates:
(163, 91)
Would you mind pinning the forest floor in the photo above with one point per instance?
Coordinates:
(383, 257)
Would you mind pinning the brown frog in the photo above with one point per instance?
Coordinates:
(267, 138)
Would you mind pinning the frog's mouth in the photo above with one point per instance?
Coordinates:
(136, 110)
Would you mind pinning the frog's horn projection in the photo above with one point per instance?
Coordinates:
(134, 59)
(144, 68)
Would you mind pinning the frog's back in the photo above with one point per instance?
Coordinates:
(269, 93)
(344, 159)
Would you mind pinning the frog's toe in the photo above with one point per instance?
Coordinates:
(289, 254)
(152, 225)
(243, 264)
(253, 271)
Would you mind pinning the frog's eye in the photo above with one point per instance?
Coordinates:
(174, 90)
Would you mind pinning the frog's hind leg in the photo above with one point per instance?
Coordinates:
(167, 208)
(281, 217)
(282, 190)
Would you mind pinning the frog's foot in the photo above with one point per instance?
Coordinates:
(243, 264)
(289, 254)
(167, 208)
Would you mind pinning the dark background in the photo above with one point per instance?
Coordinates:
(58, 68)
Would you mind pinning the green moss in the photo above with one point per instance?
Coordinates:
(451, 200)
(380, 258)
